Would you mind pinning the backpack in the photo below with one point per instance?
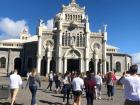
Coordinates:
(90, 85)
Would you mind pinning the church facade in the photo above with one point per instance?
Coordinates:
(69, 46)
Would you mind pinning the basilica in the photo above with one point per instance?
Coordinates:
(68, 46)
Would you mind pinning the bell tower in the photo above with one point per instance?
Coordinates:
(72, 30)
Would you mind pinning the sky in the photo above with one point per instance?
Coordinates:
(121, 16)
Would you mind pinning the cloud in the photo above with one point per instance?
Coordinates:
(10, 28)
(136, 59)
(49, 24)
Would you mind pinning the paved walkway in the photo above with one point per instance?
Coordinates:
(50, 98)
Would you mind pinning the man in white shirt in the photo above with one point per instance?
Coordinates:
(131, 86)
(98, 79)
(15, 83)
(77, 86)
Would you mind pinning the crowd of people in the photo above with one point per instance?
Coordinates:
(74, 85)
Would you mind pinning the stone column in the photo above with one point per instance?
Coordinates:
(39, 50)
(81, 65)
(48, 65)
(104, 49)
(39, 54)
(65, 65)
(86, 65)
(96, 64)
(8, 62)
(48, 59)
(126, 67)
(87, 52)
(101, 67)
(59, 65)
(112, 63)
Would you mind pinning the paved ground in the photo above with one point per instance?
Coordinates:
(50, 98)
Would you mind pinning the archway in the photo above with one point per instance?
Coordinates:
(43, 66)
(99, 66)
(91, 66)
(2, 62)
(107, 66)
(73, 60)
(17, 64)
(118, 66)
(73, 64)
(53, 65)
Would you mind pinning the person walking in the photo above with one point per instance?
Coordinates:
(77, 86)
(90, 85)
(57, 80)
(110, 82)
(131, 86)
(15, 83)
(51, 78)
(66, 87)
(98, 79)
(33, 82)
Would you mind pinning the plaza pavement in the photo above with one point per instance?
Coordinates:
(50, 98)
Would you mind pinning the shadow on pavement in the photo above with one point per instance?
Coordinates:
(7, 103)
(45, 91)
(50, 103)
(57, 96)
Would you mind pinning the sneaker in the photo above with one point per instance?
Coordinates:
(99, 98)
(63, 103)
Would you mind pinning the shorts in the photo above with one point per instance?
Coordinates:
(77, 93)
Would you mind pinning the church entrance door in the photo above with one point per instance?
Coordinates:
(43, 66)
(91, 66)
(73, 65)
(17, 64)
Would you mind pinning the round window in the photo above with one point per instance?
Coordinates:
(96, 46)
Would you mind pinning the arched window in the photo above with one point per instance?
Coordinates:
(99, 66)
(3, 62)
(69, 39)
(78, 40)
(66, 39)
(53, 65)
(70, 17)
(84, 40)
(81, 40)
(63, 40)
(118, 66)
(91, 66)
(17, 64)
(107, 66)
(66, 16)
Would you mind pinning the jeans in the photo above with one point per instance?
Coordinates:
(98, 91)
(89, 97)
(110, 90)
(66, 92)
(33, 90)
(50, 85)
